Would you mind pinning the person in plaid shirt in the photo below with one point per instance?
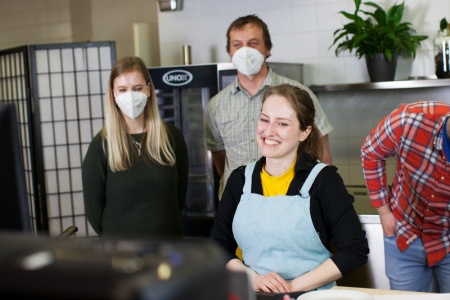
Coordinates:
(415, 212)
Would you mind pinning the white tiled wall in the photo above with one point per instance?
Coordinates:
(302, 31)
(354, 114)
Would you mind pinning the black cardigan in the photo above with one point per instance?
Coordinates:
(331, 209)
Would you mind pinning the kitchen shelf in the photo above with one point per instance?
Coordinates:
(385, 85)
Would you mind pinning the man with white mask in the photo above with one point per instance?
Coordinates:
(232, 114)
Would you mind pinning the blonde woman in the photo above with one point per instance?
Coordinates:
(135, 170)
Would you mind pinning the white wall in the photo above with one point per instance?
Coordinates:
(30, 22)
(301, 30)
(24, 22)
(114, 20)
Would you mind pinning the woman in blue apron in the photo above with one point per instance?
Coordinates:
(284, 210)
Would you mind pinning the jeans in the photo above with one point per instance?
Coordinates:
(409, 271)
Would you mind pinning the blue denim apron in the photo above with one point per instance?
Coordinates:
(276, 233)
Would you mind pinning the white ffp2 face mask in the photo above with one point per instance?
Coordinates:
(248, 60)
(132, 103)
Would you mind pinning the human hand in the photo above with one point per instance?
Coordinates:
(387, 220)
(270, 283)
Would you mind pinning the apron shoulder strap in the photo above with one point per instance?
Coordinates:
(248, 177)
(304, 192)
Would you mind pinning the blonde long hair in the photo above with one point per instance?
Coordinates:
(156, 145)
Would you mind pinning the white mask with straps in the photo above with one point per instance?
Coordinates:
(132, 103)
(248, 60)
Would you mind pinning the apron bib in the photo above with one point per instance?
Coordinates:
(277, 233)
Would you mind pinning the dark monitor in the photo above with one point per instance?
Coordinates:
(226, 77)
(14, 211)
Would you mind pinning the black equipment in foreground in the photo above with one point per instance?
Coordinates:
(45, 268)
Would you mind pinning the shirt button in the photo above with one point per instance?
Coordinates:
(432, 196)
(442, 177)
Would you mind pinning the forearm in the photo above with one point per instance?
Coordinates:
(270, 283)
(387, 220)
(219, 161)
(94, 185)
(322, 275)
(94, 199)
(326, 156)
(237, 265)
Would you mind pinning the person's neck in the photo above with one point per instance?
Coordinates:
(278, 166)
(252, 84)
(136, 126)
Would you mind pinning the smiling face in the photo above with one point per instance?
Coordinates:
(278, 131)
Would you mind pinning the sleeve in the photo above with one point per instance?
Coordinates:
(320, 119)
(212, 135)
(94, 170)
(222, 230)
(342, 222)
(182, 161)
(382, 142)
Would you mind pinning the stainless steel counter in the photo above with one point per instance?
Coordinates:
(386, 85)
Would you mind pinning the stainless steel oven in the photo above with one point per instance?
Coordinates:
(183, 93)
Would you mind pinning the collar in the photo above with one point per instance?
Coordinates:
(305, 162)
(236, 86)
(446, 140)
(440, 133)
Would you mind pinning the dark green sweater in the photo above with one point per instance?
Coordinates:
(146, 200)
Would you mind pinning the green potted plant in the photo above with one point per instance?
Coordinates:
(380, 38)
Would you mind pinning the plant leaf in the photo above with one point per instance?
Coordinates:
(379, 32)
(443, 24)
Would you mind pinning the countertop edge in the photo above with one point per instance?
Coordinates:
(385, 85)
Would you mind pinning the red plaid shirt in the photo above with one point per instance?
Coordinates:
(420, 194)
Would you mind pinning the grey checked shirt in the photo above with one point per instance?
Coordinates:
(231, 118)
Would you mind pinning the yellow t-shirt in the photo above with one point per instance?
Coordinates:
(274, 186)
(277, 185)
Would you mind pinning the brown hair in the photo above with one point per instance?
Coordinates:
(250, 19)
(303, 105)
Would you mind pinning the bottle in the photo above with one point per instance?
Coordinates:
(442, 53)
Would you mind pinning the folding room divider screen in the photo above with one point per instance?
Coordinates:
(58, 90)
